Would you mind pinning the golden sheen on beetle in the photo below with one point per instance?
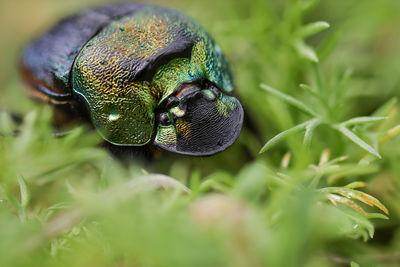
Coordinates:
(143, 75)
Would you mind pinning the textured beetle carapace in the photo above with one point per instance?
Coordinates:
(144, 75)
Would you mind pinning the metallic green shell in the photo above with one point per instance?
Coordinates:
(126, 70)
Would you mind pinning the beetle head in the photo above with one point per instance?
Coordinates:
(198, 120)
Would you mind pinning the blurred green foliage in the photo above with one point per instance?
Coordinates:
(321, 199)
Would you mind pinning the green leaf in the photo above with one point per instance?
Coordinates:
(348, 202)
(354, 264)
(362, 227)
(355, 194)
(279, 137)
(306, 51)
(347, 170)
(362, 120)
(357, 140)
(290, 100)
(337, 160)
(377, 216)
(357, 184)
(310, 130)
(25, 193)
(313, 28)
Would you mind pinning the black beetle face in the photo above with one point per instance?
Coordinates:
(199, 121)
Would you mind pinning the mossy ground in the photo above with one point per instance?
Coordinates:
(317, 196)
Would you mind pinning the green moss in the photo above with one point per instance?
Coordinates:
(65, 201)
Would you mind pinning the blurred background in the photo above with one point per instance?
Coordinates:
(282, 225)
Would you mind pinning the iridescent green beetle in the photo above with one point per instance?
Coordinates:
(143, 75)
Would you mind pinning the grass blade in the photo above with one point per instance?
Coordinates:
(290, 100)
(25, 193)
(279, 137)
(362, 120)
(310, 130)
(377, 216)
(355, 194)
(358, 141)
(354, 185)
(306, 51)
(313, 28)
(348, 202)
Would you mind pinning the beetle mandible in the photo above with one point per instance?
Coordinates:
(143, 74)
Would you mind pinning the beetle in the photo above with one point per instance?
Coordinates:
(143, 75)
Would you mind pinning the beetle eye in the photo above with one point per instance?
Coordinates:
(163, 119)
